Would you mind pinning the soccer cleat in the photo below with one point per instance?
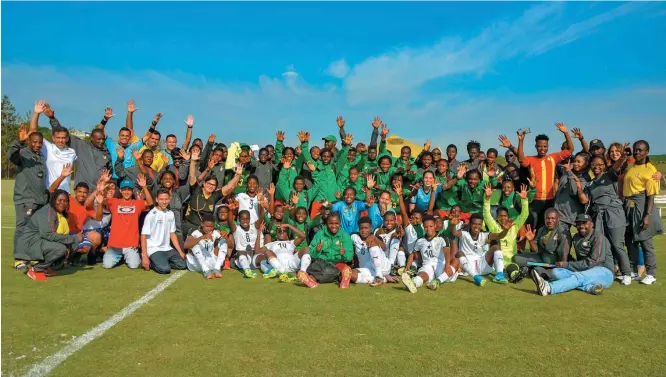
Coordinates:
(408, 282)
(433, 284)
(626, 280)
(479, 280)
(306, 279)
(271, 273)
(500, 278)
(21, 265)
(287, 278)
(227, 264)
(36, 275)
(249, 273)
(400, 271)
(542, 286)
(346, 277)
(648, 280)
(377, 282)
(50, 272)
(209, 275)
(217, 274)
(596, 290)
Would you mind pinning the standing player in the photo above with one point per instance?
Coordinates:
(208, 249)
(431, 249)
(374, 265)
(280, 256)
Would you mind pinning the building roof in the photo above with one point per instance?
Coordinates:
(394, 143)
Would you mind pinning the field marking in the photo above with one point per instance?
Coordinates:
(51, 362)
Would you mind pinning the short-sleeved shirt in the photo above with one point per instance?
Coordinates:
(77, 215)
(281, 247)
(124, 222)
(250, 204)
(421, 199)
(430, 250)
(638, 179)
(157, 227)
(475, 248)
(544, 169)
(56, 159)
(201, 205)
(349, 215)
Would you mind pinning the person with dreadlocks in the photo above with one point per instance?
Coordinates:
(473, 151)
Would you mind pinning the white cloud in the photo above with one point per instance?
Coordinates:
(338, 69)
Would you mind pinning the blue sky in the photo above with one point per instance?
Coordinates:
(450, 72)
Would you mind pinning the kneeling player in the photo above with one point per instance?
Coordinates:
(280, 256)
(374, 265)
(208, 249)
(247, 240)
(475, 259)
(431, 249)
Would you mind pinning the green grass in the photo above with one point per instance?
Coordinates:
(241, 327)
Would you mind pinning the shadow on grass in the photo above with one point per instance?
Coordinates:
(70, 270)
(530, 291)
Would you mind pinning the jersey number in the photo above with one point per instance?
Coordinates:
(429, 253)
(247, 237)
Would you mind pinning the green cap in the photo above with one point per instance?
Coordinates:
(243, 145)
(330, 138)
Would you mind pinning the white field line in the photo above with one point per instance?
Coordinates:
(47, 365)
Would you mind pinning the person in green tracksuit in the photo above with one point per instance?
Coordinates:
(445, 199)
(510, 200)
(353, 180)
(290, 165)
(470, 189)
(347, 158)
(323, 175)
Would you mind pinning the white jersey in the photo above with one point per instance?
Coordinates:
(56, 159)
(410, 238)
(246, 240)
(157, 227)
(431, 251)
(250, 204)
(281, 247)
(471, 247)
(363, 254)
(207, 247)
(392, 244)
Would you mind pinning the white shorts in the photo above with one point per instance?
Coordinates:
(290, 262)
(479, 266)
(432, 270)
(367, 275)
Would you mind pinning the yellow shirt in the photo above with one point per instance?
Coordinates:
(638, 179)
(63, 225)
(158, 160)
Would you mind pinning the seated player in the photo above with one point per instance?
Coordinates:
(391, 234)
(475, 258)
(592, 272)
(247, 240)
(280, 256)
(332, 245)
(374, 266)
(207, 249)
(430, 248)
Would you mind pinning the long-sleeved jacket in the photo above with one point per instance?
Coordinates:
(591, 251)
(30, 186)
(553, 245)
(90, 162)
(332, 246)
(566, 200)
(132, 173)
(41, 228)
(508, 243)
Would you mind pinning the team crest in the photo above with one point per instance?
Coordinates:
(586, 244)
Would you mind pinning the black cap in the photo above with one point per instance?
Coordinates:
(596, 143)
(583, 218)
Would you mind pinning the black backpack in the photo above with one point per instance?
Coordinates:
(323, 271)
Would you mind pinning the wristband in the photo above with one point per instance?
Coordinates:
(104, 120)
(190, 126)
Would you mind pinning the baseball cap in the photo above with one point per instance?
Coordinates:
(596, 143)
(243, 145)
(583, 218)
(330, 138)
(126, 183)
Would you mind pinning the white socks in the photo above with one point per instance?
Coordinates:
(244, 262)
(417, 281)
(305, 262)
(402, 258)
(498, 258)
(221, 255)
(375, 253)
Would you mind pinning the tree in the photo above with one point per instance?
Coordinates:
(11, 121)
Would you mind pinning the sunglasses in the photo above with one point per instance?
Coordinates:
(436, 153)
(510, 155)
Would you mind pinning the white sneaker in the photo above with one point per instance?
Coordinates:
(649, 280)
(542, 286)
(635, 276)
(626, 280)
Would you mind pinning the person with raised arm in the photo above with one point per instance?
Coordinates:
(127, 139)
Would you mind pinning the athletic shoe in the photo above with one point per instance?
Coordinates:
(271, 273)
(227, 264)
(36, 275)
(306, 279)
(377, 282)
(635, 276)
(346, 277)
(479, 280)
(408, 282)
(500, 278)
(50, 272)
(217, 274)
(287, 278)
(649, 280)
(433, 284)
(626, 280)
(209, 275)
(21, 265)
(596, 290)
(391, 279)
(249, 273)
(542, 286)
(400, 271)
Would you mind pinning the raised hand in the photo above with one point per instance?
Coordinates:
(462, 170)
(384, 132)
(48, 111)
(301, 136)
(165, 159)
(157, 118)
(211, 163)
(376, 122)
(426, 146)
(340, 121)
(504, 141)
(488, 190)
(298, 150)
(320, 245)
(532, 179)
(521, 134)
(311, 166)
(66, 170)
(295, 197)
(338, 195)
(108, 113)
(561, 127)
(567, 167)
(529, 234)
(348, 138)
(39, 106)
(271, 190)
(280, 135)
(577, 133)
(523, 191)
(371, 181)
(22, 134)
(196, 154)
(99, 197)
(286, 164)
(131, 107)
(397, 187)
(137, 154)
(361, 148)
(260, 196)
(105, 176)
(184, 155)
(239, 169)
(120, 151)
(189, 121)
(211, 138)
(141, 180)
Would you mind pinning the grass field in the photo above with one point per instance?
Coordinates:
(238, 327)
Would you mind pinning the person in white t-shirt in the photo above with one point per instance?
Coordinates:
(56, 154)
(247, 240)
(208, 249)
(157, 235)
(280, 257)
(430, 248)
(374, 267)
(251, 199)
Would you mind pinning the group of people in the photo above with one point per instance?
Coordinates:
(345, 213)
